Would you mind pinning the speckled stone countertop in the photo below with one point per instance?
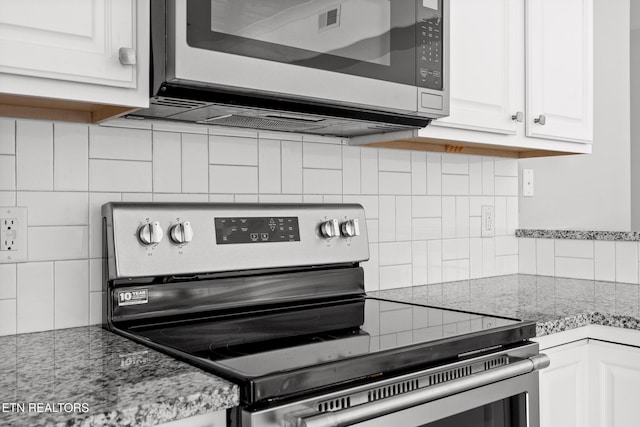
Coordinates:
(628, 236)
(113, 382)
(556, 304)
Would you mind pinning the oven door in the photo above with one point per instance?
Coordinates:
(351, 52)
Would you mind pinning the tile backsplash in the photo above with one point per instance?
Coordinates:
(423, 209)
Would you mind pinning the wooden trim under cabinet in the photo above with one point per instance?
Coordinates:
(28, 107)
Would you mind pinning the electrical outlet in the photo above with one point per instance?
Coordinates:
(488, 221)
(527, 182)
(13, 234)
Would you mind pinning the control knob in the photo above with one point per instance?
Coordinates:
(330, 228)
(350, 228)
(150, 233)
(181, 233)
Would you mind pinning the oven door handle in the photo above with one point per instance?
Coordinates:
(378, 408)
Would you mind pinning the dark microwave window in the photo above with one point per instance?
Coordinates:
(366, 38)
(509, 412)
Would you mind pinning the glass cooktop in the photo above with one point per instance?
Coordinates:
(263, 342)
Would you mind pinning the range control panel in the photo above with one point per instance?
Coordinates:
(154, 239)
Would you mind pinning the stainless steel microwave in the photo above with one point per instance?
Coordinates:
(335, 67)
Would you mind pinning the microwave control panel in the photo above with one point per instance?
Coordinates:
(429, 44)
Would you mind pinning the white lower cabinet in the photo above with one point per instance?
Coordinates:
(590, 382)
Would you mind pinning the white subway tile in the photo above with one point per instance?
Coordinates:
(506, 166)
(455, 185)
(476, 265)
(403, 218)
(574, 248)
(419, 263)
(527, 256)
(7, 281)
(372, 230)
(320, 139)
(332, 198)
(488, 180)
(291, 167)
(395, 276)
(95, 275)
(475, 175)
(369, 203)
(545, 257)
(119, 143)
(7, 198)
(280, 198)
(576, 268)
(475, 226)
(234, 132)
(95, 308)
(604, 258)
(418, 172)
(395, 183)
(455, 164)
(137, 197)
(488, 257)
(229, 150)
(506, 245)
(180, 197)
(34, 155)
(312, 198)
(58, 243)
(448, 217)
(387, 212)
(506, 264)
(70, 157)
(434, 174)
(500, 220)
(395, 253)
(233, 179)
(195, 163)
(321, 156)
(71, 294)
(455, 270)
(322, 181)
(627, 262)
(506, 186)
(120, 175)
(221, 198)
(453, 249)
(127, 123)
(351, 170)
(96, 200)
(434, 261)
(427, 228)
(512, 215)
(35, 297)
(368, 170)
(167, 162)
(391, 160)
(180, 127)
(7, 136)
(8, 317)
(279, 136)
(59, 208)
(476, 203)
(426, 206)
(462, 216)
(7, 173)
(371, 270)
(246, 198)
(269, 166)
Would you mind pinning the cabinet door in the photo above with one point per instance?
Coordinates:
(559, 87)
(73, 40)
(487, 65)
(615, 379)
(564, 387)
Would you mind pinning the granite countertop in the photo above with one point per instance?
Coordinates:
(113, 382)
(556, 304)
(627, 236)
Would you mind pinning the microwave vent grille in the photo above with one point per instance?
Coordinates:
(265, 123)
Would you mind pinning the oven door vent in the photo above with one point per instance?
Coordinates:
(451, 374)
(392, 390)
(334, 404)
(494, 363)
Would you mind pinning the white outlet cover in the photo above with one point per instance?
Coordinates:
(527, 182)
(488, 226)
(20, 254)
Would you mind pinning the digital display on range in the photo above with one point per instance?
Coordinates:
(257, 230)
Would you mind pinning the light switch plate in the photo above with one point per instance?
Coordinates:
(13, 234)
(527, 182)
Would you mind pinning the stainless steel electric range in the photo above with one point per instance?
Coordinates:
(271, 297)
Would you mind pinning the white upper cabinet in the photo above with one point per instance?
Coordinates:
(486, 65)
(560, 69)
(88, 51)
